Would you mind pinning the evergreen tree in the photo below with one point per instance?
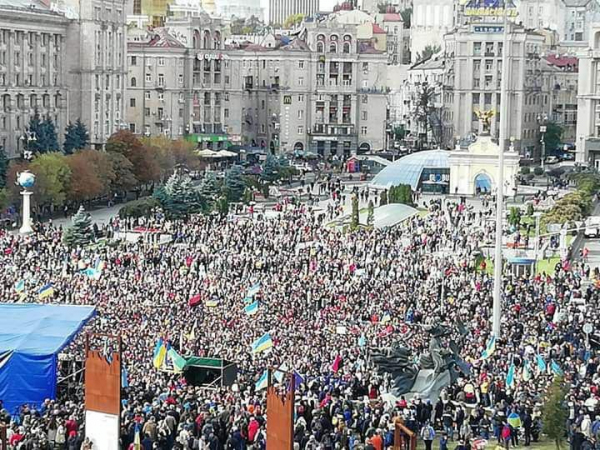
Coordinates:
(35, 129)
(70, 144)
(178, 197)
(371, 214)
(3, 167)
(51, 138)
(555, 412)
(271, 168)
(210, 189)
(354, 221)
(80, 232)
(82, 134)
(234, 185)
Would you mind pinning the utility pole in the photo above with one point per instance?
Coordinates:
(498, 265)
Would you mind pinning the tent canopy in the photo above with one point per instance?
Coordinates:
(31, 336)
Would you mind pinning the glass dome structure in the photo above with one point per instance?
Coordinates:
(411, 169)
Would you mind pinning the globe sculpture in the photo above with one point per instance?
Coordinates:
(26, 180)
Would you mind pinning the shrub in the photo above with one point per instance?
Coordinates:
(139, 208)
(525, 170)
(538, 171)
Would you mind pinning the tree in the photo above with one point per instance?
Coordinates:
(514, 216)
(233, 187)
(407, 17)
(85, 181)
(270, 170)
(555, 412)
(124, 179)
(428, 52)
(3, 167)
(354, 220)
(210, 189)
(552, 137)
(178, 197)
(53, 176)
(371, 214)
(103, 167)
(399, 132)
(76, 137)
(48, 141)
(293, 20)
(424, 108)
(143, 158)
(35, 131)
(80, 233)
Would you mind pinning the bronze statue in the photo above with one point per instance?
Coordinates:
(485, 117)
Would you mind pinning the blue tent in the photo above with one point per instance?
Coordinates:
(31, 336)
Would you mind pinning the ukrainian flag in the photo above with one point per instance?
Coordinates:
(490, 348)
(263, 381)
(253, 290)
(20, 286)
(556, 370)
(263, 343)
(46, 291)
(252, 308)
(160, 352)
(213, 303)
(177, 360)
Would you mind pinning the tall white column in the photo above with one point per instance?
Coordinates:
(26, 227)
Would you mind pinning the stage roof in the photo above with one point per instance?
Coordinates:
(37, 329)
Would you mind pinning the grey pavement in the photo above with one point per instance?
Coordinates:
(100, 216)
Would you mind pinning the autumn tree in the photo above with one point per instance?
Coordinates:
(85, 181)
(103, 166)
(144, 159)
(124, 179)
(53, 176)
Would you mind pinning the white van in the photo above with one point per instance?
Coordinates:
(592, 227)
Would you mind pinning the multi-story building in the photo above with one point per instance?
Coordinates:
(279, 10)
(32, 71)
(65, 59)
(540, 14)
(397, 44)
(560, 74)
(95, 53)
(473, 77)
(240, 8)
(177, 82)
(577, 16)
(588, 104)
(430, 20)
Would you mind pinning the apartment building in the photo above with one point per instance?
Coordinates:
(279, 10)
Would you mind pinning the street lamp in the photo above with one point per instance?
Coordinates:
(26, 138)
(543, 122)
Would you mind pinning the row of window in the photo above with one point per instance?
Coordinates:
(29, 80)
(30, 38)
(31, 60)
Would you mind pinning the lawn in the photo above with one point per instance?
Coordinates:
(544, 444)
(545, 265)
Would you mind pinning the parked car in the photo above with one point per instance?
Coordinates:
(552, 159)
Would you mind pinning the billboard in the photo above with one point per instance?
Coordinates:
(487, 8)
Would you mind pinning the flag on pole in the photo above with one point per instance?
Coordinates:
(280, 373)
(195, 300)
(490, 348)
(177, 360)
(263, 381)
(192, 334)
(362, 340)
(541, 363)
(556, 369)
(212, 303)
(262, 343)
(253, 290)
(252, 308)
(124, 377)
(298, 380)
(160, 352)
(335, 366)
(46, 291)
(137, 441)
(510, 376)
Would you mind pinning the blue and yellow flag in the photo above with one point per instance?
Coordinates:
(263, 381)
(252, 308)
(160, 353)
(253, 290)
(262, 343)
(46, 291)
(20, 286)
(556, 369)
(490, 348)
(510, 376)
(541, 363)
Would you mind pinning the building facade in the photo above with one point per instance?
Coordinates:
(473, 77)
(431, 19)
(279, 10)
(560, 74)
(32, 72)
(240, 8)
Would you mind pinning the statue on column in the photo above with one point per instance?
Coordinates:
(485, 117)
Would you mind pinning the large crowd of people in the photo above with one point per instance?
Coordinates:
(326, 295)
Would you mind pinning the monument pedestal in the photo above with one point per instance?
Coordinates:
(26, 227)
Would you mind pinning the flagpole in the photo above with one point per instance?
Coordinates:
(497, 305)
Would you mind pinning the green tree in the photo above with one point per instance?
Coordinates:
(233, 186)
(407, 17)
(123, 179)
(293, 20)
(53, 177)
(383, 198)
(371, 214)
(354, 220)
(178, 197)
(424, 109)
(80, 232)
(49, 138)
(428, 52)
(76, 137)
(210, 189)
(555, 412)
(552, 137)
(35, 140)
(514, 216)
(3, 167)
(270, 170)
(530, 209)
(399, 132)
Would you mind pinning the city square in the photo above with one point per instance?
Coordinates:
(293, 224)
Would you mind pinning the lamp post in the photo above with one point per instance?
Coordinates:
(543, 122)
(26, 139)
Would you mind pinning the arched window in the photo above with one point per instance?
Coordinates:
(347, 44)
(320, 47)
(346, 47)
(206, 40)
(133, 82)
(32, 101)
(332, 47)
(217, 40)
